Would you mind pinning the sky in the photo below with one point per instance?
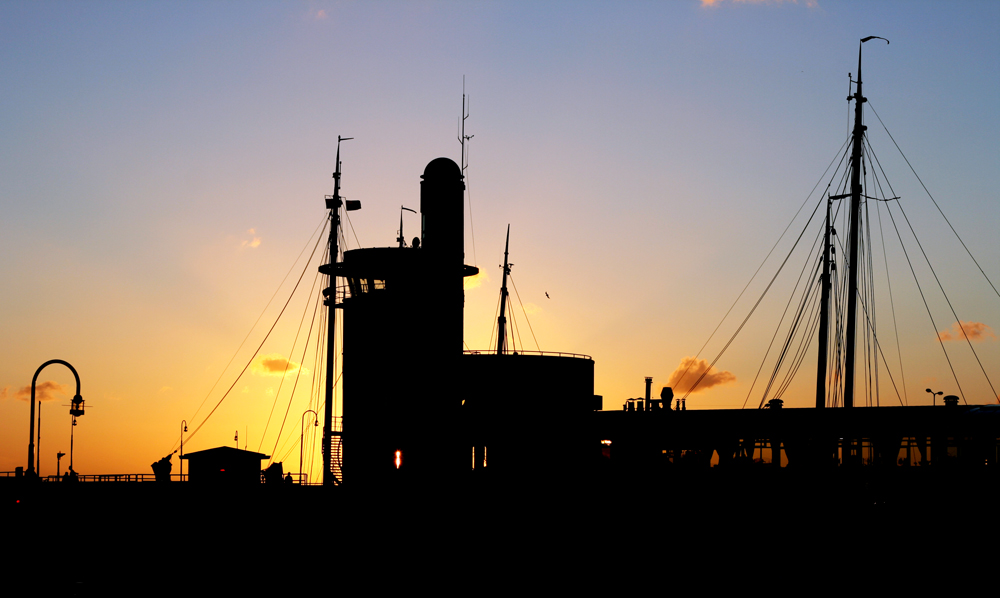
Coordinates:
(164, 164)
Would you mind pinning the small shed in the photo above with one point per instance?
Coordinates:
(224, 466)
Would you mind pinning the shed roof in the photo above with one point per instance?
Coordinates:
(223, 452)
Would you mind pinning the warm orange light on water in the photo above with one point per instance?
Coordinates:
(399, 458)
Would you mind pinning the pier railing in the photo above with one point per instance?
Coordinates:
(300, 479)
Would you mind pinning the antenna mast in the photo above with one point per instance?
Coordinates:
(462, 137)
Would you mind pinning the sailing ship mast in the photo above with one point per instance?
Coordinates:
(855, 233)
(502, 320)
(824, 314)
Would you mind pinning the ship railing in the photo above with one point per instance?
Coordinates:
(513, 353)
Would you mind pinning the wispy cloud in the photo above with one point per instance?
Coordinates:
(531, 308)
(976, 331)
(253, 242)
(275, 364)
(44, 391)
(690, 369)
(474, 282)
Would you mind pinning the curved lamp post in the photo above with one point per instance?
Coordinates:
(75, 410)
(302, 435)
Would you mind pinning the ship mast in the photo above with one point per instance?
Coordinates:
(502, 320)
(333, 203)
(824, 314)
(855, 233)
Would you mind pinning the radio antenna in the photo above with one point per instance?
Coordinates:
(462, 138)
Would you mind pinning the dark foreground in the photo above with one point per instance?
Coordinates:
(160, 539)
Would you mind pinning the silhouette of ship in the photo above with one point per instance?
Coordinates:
(415, 405)
(430, 429)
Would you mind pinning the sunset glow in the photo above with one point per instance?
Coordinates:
(165, 167)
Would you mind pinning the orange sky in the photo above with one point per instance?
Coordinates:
(164, 166)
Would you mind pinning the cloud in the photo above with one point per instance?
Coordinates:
(474, 282)
(690, 369)
(274, 364)
(253, 242)
(45, 391)
(3, 392)
(809, 3)
(976, 331)
(320, 14)
(531, 308)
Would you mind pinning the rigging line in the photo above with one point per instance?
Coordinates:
(812, 323)
(777, 329)
(305, 349)
(525, 311)
(759, 299)
(288, 438)
(314, 388)
(351, 224)
(877, 162)
(792, 326)
(496, 318)
(243, 342)
(934, 201)
(299, 373)
(924, 299)
(298, 330)
(892, 304)
(836, 350)
(513, 322)
(766, 257)
(261, 342)
(808, 313)
(957, 320)
(878, 346)
(791, 331)
(869, 283)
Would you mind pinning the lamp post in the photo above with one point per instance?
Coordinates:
(934, 395)
(302, 435)
(184, 428)
(75, 410)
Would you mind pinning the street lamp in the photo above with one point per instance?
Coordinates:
(184, 428)
(302, 435)
(75, 410)
(934, 395)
